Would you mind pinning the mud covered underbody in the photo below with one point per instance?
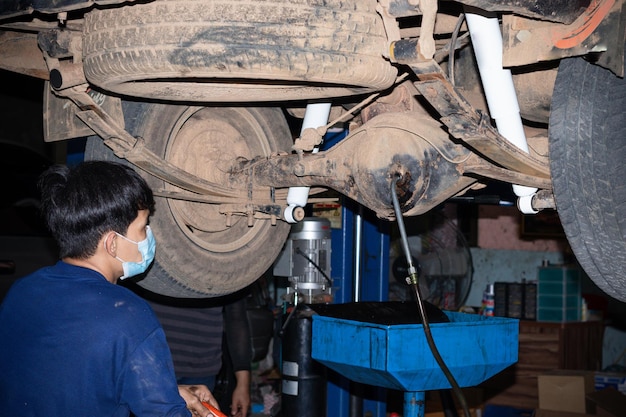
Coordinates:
(199, 105)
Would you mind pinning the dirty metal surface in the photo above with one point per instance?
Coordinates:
(126, 146)
(362, 166)
(18, 8)
(465, 123)
(564, 11)
(19, 53)
(477, 166)
(61, 122)
(599, 29)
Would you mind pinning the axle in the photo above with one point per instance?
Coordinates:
(394, 145)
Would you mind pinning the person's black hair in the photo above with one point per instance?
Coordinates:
(81, 204)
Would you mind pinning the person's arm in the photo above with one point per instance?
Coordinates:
(239, 344)
(241, 394)
(148, 384)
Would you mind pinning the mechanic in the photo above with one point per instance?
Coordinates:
(73, 343)
(203, 338)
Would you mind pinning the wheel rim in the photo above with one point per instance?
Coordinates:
(205, 142)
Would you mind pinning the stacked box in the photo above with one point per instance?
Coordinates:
(558, 294)
(516, 300)
(530, 301)
(500, 299)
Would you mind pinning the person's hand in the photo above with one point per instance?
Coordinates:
(194, 396)
(241, 395)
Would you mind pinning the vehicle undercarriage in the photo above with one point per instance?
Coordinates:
(441, 96)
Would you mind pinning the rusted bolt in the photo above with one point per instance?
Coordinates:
(298, 214)
(229, 219)
(299, 170)
(403, 184)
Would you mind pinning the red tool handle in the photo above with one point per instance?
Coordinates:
(215, 411)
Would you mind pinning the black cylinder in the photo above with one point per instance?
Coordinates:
(67, 75)
(303, 379)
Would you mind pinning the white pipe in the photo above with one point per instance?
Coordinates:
(499, 90)
(316, 115)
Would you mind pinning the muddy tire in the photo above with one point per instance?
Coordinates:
(235, 50)
(197, 255)
(587, 154)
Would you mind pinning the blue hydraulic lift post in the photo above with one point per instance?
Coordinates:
(374, 286)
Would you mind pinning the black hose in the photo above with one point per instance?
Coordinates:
(321, 271)
(281, 332)
(412, 280)
(447, 403)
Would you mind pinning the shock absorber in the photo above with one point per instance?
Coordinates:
(499, 90)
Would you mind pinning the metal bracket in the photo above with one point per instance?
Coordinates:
(467, 124)
(599, 29)
(252, 211)
(124, 145)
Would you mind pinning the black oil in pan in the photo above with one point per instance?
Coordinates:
(381, 312)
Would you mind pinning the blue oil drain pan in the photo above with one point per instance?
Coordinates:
(383, 344)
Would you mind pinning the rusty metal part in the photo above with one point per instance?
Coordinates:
(389, 20)
(400, 99)
(537, 139)
(252, 211)
(444, 25)
(60, 121)
(533, 85)
(543, 199)
(19, 53)
(426, 42)
(421, 48)
(36, 24)
(584, 26)
(401, 8)
(126, 146)
(67, 75)
(362, 165)
(467, 124)
(62, 51)
(209, 199)
(563, 11)
(406, 51)
(599, 29)
(309, 139)
(11, 9)
(59, 43)
(477, 166)
(534, 92)
(410, 145)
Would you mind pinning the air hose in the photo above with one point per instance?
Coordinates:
(412, 281)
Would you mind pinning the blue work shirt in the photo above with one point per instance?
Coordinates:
(73, 344)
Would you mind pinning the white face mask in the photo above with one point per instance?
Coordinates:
(147, 248)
